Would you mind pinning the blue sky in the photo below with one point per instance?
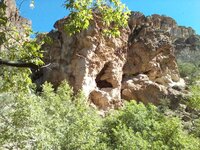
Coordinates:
(46, 12)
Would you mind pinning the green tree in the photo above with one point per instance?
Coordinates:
(53, 120)
(63, 120)
(113, 13)
(18, 55)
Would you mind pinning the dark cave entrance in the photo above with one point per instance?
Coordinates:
(103, 83)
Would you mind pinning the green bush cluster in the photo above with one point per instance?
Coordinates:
(143, 127)
(196, 128)
(194, 99)
(63, 120)
(187, 69)
(50, 121)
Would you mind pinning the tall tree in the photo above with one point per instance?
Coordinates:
(18, 54)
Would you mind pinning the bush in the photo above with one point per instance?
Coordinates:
(187, 69)
(194, 99)
(51, 121)
(63, 120)
(143, 127)
(196, 128)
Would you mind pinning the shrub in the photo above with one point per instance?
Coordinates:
(143, 127)
(63, 120)
(54, 120)
(194, 99)
(187, 69)
(197, 128)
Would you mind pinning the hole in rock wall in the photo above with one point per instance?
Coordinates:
(103, 83)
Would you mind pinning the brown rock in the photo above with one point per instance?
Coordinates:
(139, 65)
(142, 89)
(89, 61)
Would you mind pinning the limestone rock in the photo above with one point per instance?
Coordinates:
(138, 65)
(88, 61)
(151, 52)
(141, 88)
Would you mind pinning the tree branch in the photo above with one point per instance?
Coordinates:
(18, 64)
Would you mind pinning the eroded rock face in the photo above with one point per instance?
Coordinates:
(88, 61)
(14, 17)
(185, 41)
(151, 68)
(139, 65)
(151, 52)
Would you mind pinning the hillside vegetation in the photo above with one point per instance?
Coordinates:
(62, 119)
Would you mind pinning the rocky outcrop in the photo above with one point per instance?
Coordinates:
(14, 17)
(88, 61)
(185, 41)
(150, 72)
(139, 65)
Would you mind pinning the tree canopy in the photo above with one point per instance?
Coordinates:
(114, 15)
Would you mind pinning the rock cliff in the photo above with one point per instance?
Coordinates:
(14, 17)
(182, 37)
(140, 64)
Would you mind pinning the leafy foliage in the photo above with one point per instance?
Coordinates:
(189, 64)
(17, 46)
(187, 69)
(197, 128)
(62, 120)
(140, 127)
(50, 121)
(3, 21)
(194, 99)
(114, 15)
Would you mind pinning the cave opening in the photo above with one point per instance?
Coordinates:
(103, 83)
